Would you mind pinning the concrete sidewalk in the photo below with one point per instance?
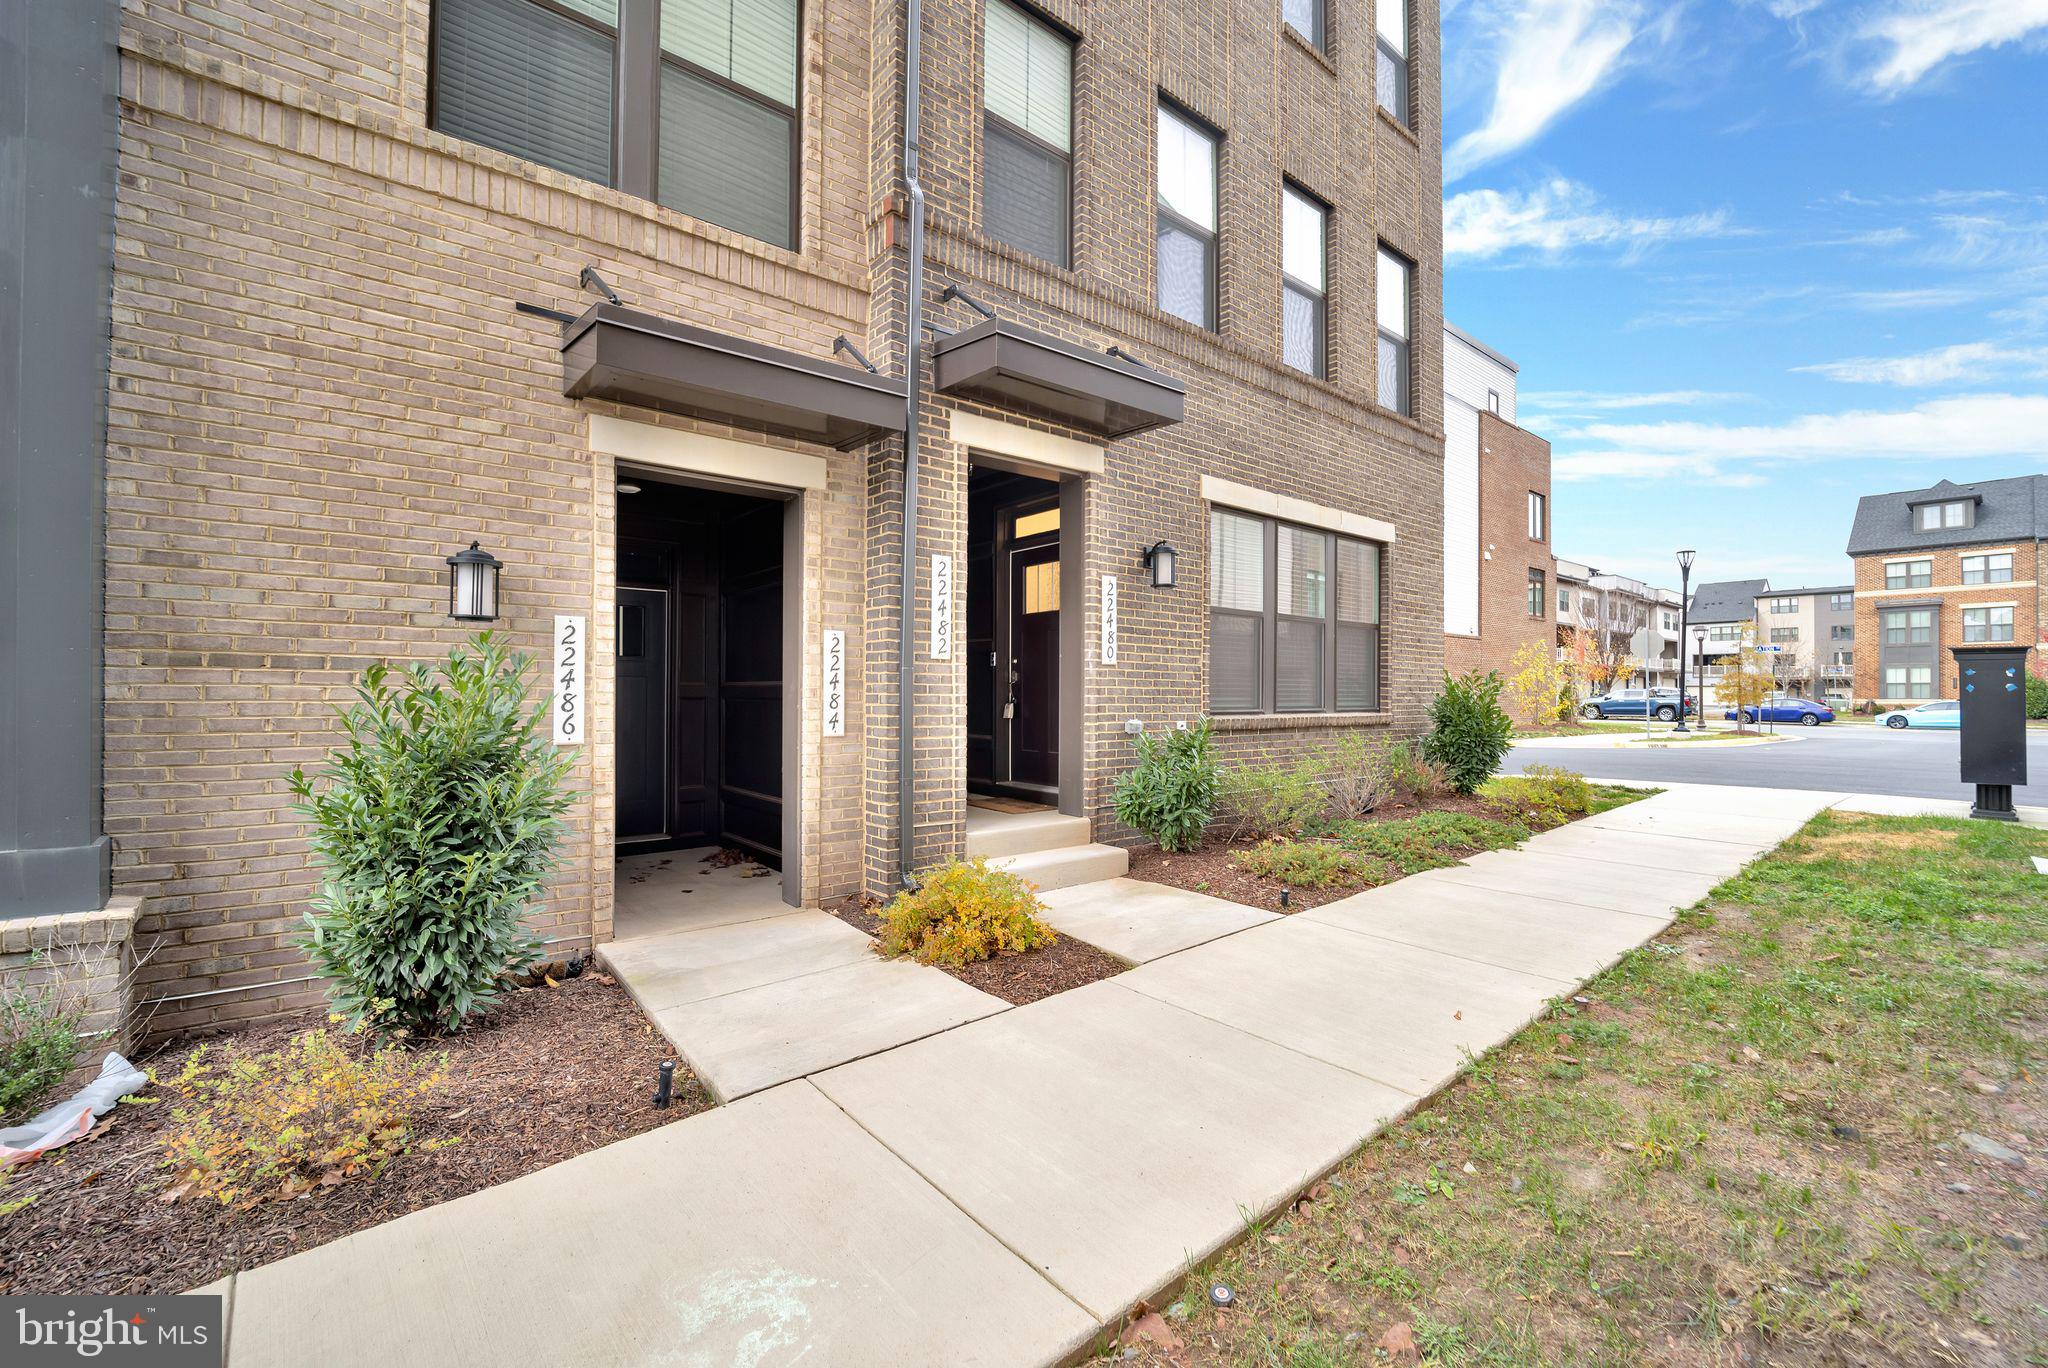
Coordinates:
(998, 1192)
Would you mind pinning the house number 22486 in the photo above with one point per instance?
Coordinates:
(568, 678)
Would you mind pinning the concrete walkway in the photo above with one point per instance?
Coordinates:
(997, 1192)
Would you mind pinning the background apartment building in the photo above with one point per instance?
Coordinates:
(598, 285)
(1947, 566)
(1814, 631)
(1498, 569)
(1622, 618)
(1715, 620)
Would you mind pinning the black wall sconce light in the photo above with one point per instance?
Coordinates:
(1159, 558)
(473, 585)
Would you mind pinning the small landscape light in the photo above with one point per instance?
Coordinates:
(473, 585)
(1286, 898)
(1159, 558)
(1220, 1295)
(664, 1089)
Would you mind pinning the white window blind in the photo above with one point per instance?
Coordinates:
(1027, 74)
(752, 43)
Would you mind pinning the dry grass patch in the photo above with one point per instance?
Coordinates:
(1741, 1145)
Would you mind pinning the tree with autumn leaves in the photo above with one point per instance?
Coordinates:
(1748, 676)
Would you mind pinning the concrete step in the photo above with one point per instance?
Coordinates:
(1068, 865)
(995, 834)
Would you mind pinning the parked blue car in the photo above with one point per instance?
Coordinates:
(1785, 708)
(1942, 713)
(1661, 704)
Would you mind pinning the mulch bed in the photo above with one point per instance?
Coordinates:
(1208, 869)
(551, 1073)
(1015, 978)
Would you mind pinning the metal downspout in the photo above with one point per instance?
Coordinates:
(913, 351)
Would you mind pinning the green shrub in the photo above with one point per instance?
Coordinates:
(316, 1112)
(38, 1045)
(1304, 864)
(1540, 797)
(437, 822)
(1469, 732)
(1171, 794)
(962, 912)
(1276, 799)
(1433, 840)
(2037, 697)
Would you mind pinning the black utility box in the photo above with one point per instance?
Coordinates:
(1993, 684)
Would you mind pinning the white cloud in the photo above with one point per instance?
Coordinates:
(1552, 54)
(1966, 360)
(1561, 401)
(1958, 427)
(1555, 217)
(1913, 37)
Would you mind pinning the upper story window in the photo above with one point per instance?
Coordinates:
(716, 136)
(1187, 217)
(1841, 603)
(1784, 634)
(1304, 254)
(1536, 594)
(1027, 155)
(528, 78)
(1784, 605)
(1939, 516)
(1918, 574)
(1841, 631)
(1564, 600)
(1539, 515)
(1992, 623)
(1305, 17)
(1294, 618)
(728, 148)
(1493, 402)
(1393, 50)
(1992, 568)
(1396, 314)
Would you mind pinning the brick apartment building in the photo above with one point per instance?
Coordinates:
(1952, 565)
(1206, 239)
(1498, 567)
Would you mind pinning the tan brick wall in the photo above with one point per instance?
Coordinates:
(80, 963)
(320, 389)
(1949, 595)
(1512, 465)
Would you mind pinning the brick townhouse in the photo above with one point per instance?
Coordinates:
(595, 286)
(1952, 565)
(1498, 567)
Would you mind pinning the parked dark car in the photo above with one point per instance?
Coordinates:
(1661, 704)
(1785, 708)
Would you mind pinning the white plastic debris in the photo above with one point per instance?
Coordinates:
(73, 1117)
(2040, 865)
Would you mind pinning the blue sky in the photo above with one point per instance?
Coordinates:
(1754, 257)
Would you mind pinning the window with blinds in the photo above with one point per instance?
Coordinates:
(1305, 17)
(1294, 618)
(1392, 23)
(1027, 132)
(1396, 292)
(715, 136)
(1187, 217)
(728, 145)
(528, 78)
(1304, 253)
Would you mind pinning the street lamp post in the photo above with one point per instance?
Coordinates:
(1684, 609)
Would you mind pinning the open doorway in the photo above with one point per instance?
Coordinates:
(701, 723)
(1013, 637)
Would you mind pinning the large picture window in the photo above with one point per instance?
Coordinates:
(1990, 623)
(529, 77)
(728, 146)
(1396, 312)
(1187, 217)
(1991, 568)
(1027, 155)
(1304, 253)
(1294, 618)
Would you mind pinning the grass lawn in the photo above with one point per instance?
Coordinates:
(1578, 728)
(1741, 1145)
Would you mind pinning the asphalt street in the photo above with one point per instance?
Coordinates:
(1844, 757)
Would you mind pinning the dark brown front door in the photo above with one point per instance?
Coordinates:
(1034, 700)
